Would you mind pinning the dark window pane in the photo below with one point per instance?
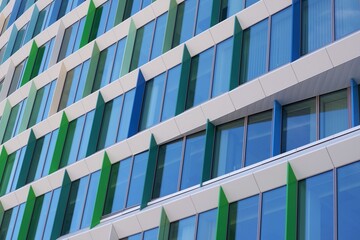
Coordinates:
(315, 207)
(71, 39)
(20, 39)
(51, 215)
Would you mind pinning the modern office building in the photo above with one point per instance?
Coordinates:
(180, 119)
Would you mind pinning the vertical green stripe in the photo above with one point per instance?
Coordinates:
(164, 227)
(215, 12)
(209, 144)
(88, 24)
(170, 26)
(30, 65)
(96, 126)
(120, 12)
(92, 71)
(28, 108)
(101, 191)
(2, 212)
(236, 55)
(184, 80)
(130, 43)
(11, 43)
(291, 204)
(3, 159)
(32, 24)
(4, 119)
(150, 172)
(222, 216)
(60, 142)
(27, 160)
(26, 220)
(61, 208)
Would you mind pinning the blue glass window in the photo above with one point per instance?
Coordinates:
(206, 225)
(15, 119)
(44, 56)
(11, 222)
(203, 20)
(123, 131)
(315, 207)
(50, 221)
(151, 234)
(17, 77)
(133, 6)
(43, 20)
(68, 5)
(2, 52)
(183, 229)
(229, 8)
(171, 93)
(347, 16)
(184, 26)
(20, 38)
(159, 36)
(104, 18)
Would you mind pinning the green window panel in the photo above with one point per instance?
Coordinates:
(4, 119)
(130, 44)
(184, 79)
(14, 122)
(28, 211)
(90, 18)
(208, 152)
(236, 55)
(222, 216)
(291, 204)
(3, 161)
(164, 227)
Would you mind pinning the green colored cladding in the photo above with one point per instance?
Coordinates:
(150, 172)
(170, 26)
(209, 145)
(222, 216)
(92, 71)
(2, 212)
(164, 226)
(101, 191)
(184, 81)
(33, 64)
(26, 220)
(4, 119)
(28, 108)
(90, 17)
(130, 43)
(3, 160)
(60, 141)
(61, 208)
(215, 12)
(27, 160)
(236, 55)
(120, 12)
(291, 204)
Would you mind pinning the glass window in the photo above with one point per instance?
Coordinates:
(151, 234)
(184, 26)
(2, 52)
(281, 38)
(203, 21)
(159, 36)
(315, 27)
(1, 85)
(11, 222)
(299, 124)
(50, 221)
(171, 93)
(5, 25)
(248, 3)
(222, 69)
(109, 65)
(44, 55)
(200, 77)
(193, 160)
(258, 139)
(228, 148)
(42, 156)
(206, 225)
(243, 219)
(43, 20)
(42, 104)
(104, 18)
(347, 15)
(123, 131)
(14, 122)
(167, 172)
(74, 85)
(133, 6)
(183, 229)
(254, 51)
(17, 77)
(71, 39)
(273, 214)
(77, 139)
(315, 207)
(230, 7)
(348, 195)
(20, 39)
(68, 5)
(334, 114)
(142, 47)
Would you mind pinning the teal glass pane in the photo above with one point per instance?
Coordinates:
(137, 179)
(299, 124)
(104, 67)
(20, 39)
(348, 195)
(125, 118)
(258, 140)
(90, 199)
(142, 47)
(159, 36)
(230, 7)
(316, 207)
(17, 77)
(151, 107)
(171, 93)
(51, 215)
(151, 234)
(228, 148)
(334, 113)
(68, 5)
(185, 18)
(206, 226)
(254, 51)
(193, 160)
(243, 219)
(347, 16)
(110, 123)
(132, 7)
(222, 69)
(200, 77)
(203, 20)
(183, 229)
(315, 27)
(167, 172)
(273, 214)
(118, 60)
(118, 186)
(19, 117)
(8, 222)
(281, 38)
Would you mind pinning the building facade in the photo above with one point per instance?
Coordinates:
(179, 119)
